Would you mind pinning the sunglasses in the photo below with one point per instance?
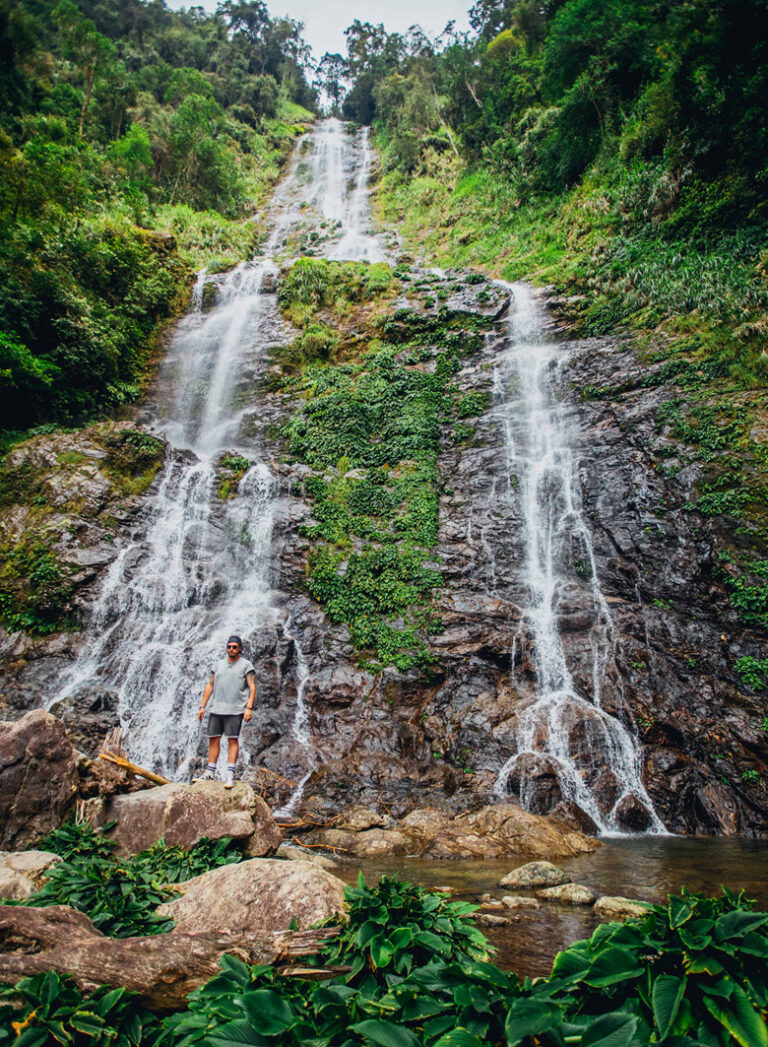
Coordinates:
(233, 646)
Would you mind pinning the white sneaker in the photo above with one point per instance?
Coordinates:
(207, 776)
(229, 779)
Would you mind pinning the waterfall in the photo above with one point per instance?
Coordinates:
(199, 565)
(560, 731)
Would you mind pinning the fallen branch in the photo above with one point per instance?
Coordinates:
(274, 774)
(162, 968)
(134, 768)
(323, 846)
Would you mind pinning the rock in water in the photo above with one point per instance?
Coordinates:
(568, 894)
(38, 778)
(183, 814)
(613, 907)
(262, 894)
(535, 874)
(519, 901)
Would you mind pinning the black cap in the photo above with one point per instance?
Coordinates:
(235, 639)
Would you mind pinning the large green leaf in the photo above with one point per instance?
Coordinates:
(269, 1013)
(385, 1034)
(236, 1033)
(737, 923)
(740, 1018)
(612, 1030)
(529, 1017)
(612, 965)
(459, 1038)
(666, 995)
(680, 910)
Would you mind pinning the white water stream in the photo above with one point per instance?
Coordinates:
(560, 728)
(200, 568)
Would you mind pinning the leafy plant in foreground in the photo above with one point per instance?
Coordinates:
(120, 894)
(45, 1010)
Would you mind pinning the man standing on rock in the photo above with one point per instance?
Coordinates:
(233, 686)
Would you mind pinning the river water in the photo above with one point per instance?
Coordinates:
(644, 867)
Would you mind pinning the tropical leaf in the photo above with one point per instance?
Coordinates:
(385, 1034)
(666, 995)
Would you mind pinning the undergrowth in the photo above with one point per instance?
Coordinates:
(374, 410)
(120, 894)
(690, 973)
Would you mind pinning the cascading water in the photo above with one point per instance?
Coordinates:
(199, 567)
(560, 731)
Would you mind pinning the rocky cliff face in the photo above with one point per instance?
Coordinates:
(403, 740)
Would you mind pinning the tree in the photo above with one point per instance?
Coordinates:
(85, 46)
(331, 78)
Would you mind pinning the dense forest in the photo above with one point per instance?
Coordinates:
(133, 142)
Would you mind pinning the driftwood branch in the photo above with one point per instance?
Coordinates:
(163, 968)
(134, 768)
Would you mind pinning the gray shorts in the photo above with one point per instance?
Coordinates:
(220, 723)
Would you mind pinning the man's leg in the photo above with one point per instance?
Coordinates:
(209, 774)
(232, 751)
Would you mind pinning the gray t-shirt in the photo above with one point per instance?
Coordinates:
(230, 687)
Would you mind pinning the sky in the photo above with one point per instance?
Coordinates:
(326, 20)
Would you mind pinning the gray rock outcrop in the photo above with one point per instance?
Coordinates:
(258, 895)
(23, 872)
(38, 778)
(182, 814)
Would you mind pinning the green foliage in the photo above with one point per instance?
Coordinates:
(379, 418)
(109, 116)
(120, 895)
(234, 467)
(687, 973)
(34, 587)
(78, 840)
(133, 459)
(315, 283)
(753, 672)
(44, 1010)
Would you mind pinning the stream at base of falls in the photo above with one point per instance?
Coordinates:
(644, 867)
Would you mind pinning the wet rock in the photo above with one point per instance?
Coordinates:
(632, 814)
(614, 907)
(88, 718)
(568, 894)
(301, 854)
(23, 872)
(257, 895)
(487, 919)
(359, 818)
(519, 901)
(38, 778)
(490, 832)
(535, 874)
(183, 814)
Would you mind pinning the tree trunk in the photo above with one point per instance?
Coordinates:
(162, 968)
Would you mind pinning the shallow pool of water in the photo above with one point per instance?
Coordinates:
(646, 867)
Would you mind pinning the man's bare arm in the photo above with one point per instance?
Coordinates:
(251, 681)
(208, 691)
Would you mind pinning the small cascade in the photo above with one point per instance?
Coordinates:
(300, 727)
(199, 567)
(196, 306)
(561, 733)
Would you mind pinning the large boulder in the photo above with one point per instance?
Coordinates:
(38, 778)
(23, 872)
(254, 896)
(182, 814)
(535, 874)
(568, 894)
(490, 832)
(614, 907)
